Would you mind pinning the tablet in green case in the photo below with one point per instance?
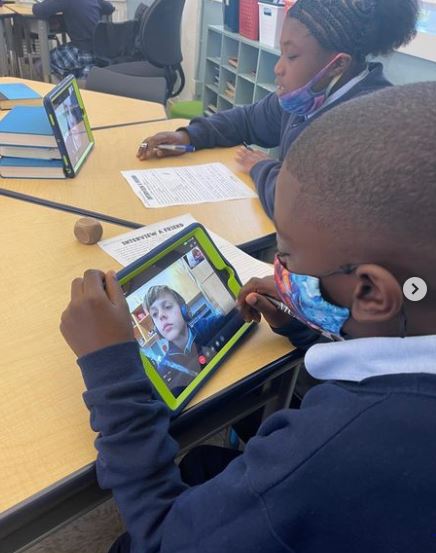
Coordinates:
(181, 298)
(69, 121)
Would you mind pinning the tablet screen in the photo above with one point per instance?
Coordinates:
(183, 314)
(72, 127)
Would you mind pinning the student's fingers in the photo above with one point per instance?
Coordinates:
(252, 302)
(241, 154)
(273, 316)
(113, 289)
(260, 285)
(248, 313)
(76, 289)
(94, 322)
(149, 147)
(262, 305)
(93, 284)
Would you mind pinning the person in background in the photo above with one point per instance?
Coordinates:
(325, 46)
(81, 18)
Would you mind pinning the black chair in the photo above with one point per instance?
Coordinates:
(152, 89)
(147, 46)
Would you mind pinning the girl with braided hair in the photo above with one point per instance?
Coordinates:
(325, 46)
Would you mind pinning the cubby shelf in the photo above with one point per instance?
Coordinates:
(251, 80)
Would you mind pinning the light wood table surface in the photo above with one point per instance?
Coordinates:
(100, 187)
(103, 109)
(44, 430)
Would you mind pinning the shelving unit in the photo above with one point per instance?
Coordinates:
(227, 85)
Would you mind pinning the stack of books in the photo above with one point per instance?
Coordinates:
(28, 147)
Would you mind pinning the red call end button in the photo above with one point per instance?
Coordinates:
(202, 359)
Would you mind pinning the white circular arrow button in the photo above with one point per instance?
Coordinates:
(415, 289)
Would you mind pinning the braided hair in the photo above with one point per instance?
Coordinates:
(358, 27)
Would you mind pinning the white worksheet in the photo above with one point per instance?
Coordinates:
(211, 182)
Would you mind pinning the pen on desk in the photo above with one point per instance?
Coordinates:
(177, 147)
(279, 304)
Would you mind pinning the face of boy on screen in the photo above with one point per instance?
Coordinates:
(168, 319)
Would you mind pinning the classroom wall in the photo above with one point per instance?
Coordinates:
(403, 68)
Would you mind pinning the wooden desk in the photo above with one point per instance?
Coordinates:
(44, 430)
(100, 186)
(103, 109)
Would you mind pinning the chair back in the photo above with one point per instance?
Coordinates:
(153, 89)
(159, 34)
(114, 41)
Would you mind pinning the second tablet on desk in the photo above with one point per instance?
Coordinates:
(181, 298)
(58, 131)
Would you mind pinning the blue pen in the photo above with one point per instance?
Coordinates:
(185, 148)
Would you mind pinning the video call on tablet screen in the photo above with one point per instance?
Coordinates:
(71, 125)
(182, 314)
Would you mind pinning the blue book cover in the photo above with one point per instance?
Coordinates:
(17, 91)
(28, 168)
(29, 162)
(26, 120)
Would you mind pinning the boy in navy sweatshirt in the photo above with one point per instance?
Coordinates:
(353, 470)
(323, 63)
(81, 18)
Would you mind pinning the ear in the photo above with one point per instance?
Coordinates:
(341, 65)
(377, 297)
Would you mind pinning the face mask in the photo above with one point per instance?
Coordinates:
(302, 294)
(304, 101)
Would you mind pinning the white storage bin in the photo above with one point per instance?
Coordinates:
(271, 18)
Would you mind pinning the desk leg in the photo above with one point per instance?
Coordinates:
(10, 46)
(43, 45)
(283, 398)
(3, 51)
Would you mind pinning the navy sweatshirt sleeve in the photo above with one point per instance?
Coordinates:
(264, 175)
(48, 7)
(135, 451)
(299, 334)
(258, 123)
(136, 461)
(106, 8)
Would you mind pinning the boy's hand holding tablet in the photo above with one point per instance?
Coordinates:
(97, 315)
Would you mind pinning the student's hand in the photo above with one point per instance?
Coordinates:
(148, 149)
(252, 302)
(247, 159)
(97, 315)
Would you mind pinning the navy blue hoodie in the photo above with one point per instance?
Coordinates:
(351, 471)
(80, 16)
(267, 125)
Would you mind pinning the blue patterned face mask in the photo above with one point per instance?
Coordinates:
(304, 101)
(302, 294)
